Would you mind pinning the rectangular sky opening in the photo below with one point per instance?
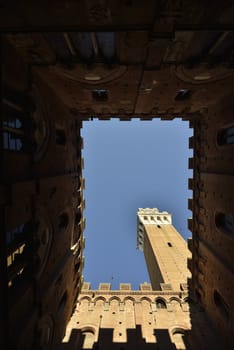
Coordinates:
(130, 165)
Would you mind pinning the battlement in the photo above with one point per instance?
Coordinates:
(154, 216)
(126, 287)
(122, 287)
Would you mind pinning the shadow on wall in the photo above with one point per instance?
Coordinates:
(105, 341)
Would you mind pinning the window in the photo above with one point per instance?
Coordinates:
(107, 45)
(17, 127)
(100, 95)
(14, 136)
(226, 136)
(63, 221)
(10, 142)
(224, 222)
(60, 137)
(183, 94)
(14, 235)
(160, 304)
(17, 251)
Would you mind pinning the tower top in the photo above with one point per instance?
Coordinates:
(150, 211)
(150, 216)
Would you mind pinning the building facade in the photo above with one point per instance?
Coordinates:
(158, 315)
(68, 61)
(128, 319)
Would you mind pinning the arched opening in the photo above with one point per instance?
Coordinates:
(160, 304)
(183, 94)
(175, 304)
(225, 136)
(100, 94)
(17, 125)
(224, 222)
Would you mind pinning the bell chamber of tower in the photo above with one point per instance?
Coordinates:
(165, 250)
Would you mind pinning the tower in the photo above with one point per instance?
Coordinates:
(164, 248)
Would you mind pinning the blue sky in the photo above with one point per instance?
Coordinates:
(130, 165)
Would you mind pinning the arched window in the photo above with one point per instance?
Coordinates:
(160, 304)
(175, 304)
(16, 133)
(100, 94)
(107, 45)
(17, 124)
(226, 136)
(224, 222)
(183, 94)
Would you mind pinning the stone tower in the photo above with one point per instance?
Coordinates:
(165, 250)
